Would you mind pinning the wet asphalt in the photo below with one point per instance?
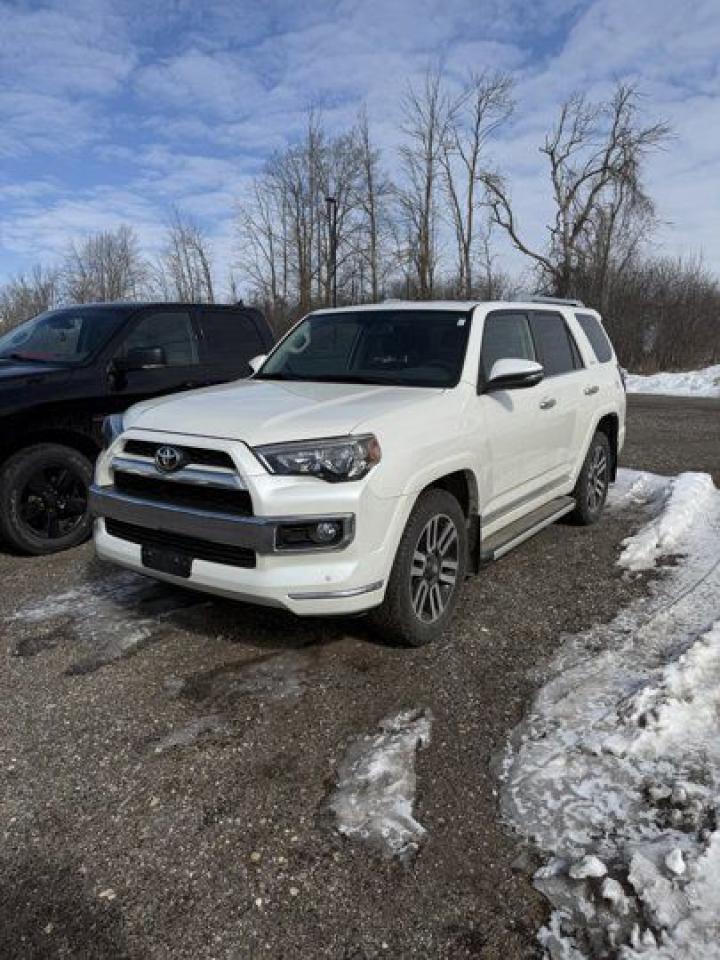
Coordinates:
(166, 759)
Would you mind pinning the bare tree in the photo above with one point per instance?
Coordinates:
(28, 294)
(185, 268)
(105, 266)
(427, 116)
(483, 106)
(591, 152)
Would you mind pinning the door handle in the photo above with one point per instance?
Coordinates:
(548, 403)
(589, 391)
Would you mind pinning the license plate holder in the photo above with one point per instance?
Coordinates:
(167, 561)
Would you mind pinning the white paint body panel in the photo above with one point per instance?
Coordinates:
(519, 454)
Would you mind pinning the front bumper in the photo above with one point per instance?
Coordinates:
(343, 579)
(253, 533)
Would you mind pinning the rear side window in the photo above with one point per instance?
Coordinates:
(599, 340)
(556, 351)
(171, 330)
(230, 337)
(506, 336)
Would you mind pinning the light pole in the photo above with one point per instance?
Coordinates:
(331, 203)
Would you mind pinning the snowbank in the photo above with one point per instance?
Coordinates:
(615, 774)
(376, 785)
(693, 383)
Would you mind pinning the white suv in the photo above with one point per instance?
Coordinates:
(378, 456)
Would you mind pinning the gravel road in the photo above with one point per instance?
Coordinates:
(166, 760)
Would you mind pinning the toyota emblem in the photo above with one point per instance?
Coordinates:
(168, 459)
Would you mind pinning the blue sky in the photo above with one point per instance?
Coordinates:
(112, 112)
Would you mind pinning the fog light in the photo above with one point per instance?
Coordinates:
(326, 531)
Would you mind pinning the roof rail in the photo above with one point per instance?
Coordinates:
(559, 301)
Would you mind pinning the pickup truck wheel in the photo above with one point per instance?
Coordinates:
(43, 499)
(428, 572)
(591, 489)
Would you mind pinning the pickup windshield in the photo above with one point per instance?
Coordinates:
(403, 348)
(69, 335)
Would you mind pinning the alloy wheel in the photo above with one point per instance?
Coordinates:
(597, 481)
(53, 502)
(434, 568)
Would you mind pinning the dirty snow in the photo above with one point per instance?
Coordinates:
(375, 792)
(615, 774)
(692, 383)
(110, 618)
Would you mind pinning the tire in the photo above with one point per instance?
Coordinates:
(592, 485)
(398, 619)
(43, 499)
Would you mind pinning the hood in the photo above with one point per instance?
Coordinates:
(16, 369)
(271, 411)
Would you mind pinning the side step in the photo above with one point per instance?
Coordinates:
(516, 533)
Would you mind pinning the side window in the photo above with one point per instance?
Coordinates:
(171, 330)
(599, 340)
(556, 351)
(230, 337)
(506, 336)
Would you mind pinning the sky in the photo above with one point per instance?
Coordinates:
(112, 112)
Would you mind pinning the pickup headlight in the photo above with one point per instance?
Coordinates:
(336, 459)
(112, 427)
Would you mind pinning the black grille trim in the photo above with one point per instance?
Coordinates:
(190, 546)
(158, 490)
(199, 455)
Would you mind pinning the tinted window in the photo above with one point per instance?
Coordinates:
(552, 342)
(171, 330)
(592, 328)
(420, 348)
(230, 336)
(69, 335)
(506, 337)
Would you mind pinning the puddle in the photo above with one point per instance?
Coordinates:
(202, 728)
(274, 677)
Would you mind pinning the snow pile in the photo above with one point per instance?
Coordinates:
(375, 791)
(616, 772)
(692, 383)
(689, 499)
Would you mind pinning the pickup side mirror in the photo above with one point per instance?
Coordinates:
(141, 358)
(514, 374)
(257, 362)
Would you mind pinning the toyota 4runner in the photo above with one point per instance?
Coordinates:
(378, 456)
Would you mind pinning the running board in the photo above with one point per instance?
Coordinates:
(516, 533)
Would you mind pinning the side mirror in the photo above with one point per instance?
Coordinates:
(141, 358)
(514, 374)
(257, 362)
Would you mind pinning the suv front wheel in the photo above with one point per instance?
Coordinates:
(428, 572)
(43, 498)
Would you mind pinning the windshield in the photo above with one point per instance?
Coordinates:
(404, 348)
(69, 335)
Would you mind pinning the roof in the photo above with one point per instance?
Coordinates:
(465, 305)
(137, 304)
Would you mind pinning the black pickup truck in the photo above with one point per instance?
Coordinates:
(64, 371)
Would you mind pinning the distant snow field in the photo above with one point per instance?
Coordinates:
(615, 774)
(693, 383)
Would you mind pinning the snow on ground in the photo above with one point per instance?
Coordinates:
(692, 383)
(615, 774)
(111, 618)
(373, 800)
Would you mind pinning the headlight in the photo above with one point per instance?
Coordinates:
(112, 427)
(339, 458)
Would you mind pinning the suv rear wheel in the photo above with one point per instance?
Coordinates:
(592, 485)
(43, 498)
(428, 572)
